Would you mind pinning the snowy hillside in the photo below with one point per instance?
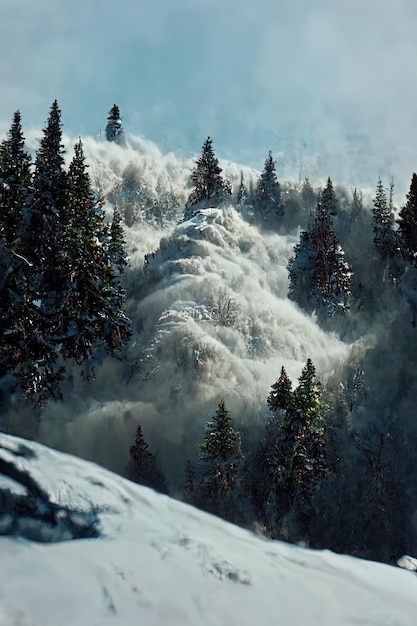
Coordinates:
(157, 561)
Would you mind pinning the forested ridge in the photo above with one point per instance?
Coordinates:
(326, 461)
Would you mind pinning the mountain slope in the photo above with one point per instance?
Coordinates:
(158, 561)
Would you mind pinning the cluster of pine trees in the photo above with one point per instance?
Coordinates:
(265, 486)
(321, 275)
(60, 267)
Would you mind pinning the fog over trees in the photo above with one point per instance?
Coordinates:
(241, 342)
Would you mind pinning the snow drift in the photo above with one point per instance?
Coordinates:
(157, 561)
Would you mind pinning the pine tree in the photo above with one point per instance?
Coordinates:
(15, 193)
(383, 222)
(329, 201)
(142, 467)
(281, 393)
(320, 277)
(268, 201)
(15, 181)
(291, 459)
(37, 366)
(209, 185)
(407, 224)
(95, 299)
(114, 128)
(117, 243)
(217, 471)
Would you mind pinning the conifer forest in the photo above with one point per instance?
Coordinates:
(244, 343)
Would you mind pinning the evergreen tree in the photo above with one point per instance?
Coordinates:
(49, 189)
(60, 267)
(114, 128)
(37, 342)
(291, 461)
(407, 224)
(15, 191)
(329, 201)
(95, 299)
(142, 467)
(268, 201)
(117, 243)
(320, 277)
(281, 393)
(217, 471)
(383, 222)
(209, 185)
(15, 181)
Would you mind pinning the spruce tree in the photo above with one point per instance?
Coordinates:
(269, 205)
(319, 275)
(291, 459)
(329, 201)
(60, 267)
(114, 128)
(281, 393)
(15, 195)
(37, 368)
(117, 250)
(142, 467)
(383, 222)
(217, 471)
(15, 181)
(95, 299)
(407, 224)
(210, 188)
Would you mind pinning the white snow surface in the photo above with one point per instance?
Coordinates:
(159, 561)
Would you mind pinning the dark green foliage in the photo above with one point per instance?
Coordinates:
(37, 299)
(385, 239)
(320, 277)
(114, 128)
(15, 195)
(142, 467)
(15, 182)
(291, 459)
(407, 224)
(269, 207)
(213, 482)
(210, 188)
(94, 312)
(281, 393)
(117, 250)
(60, 267)
(328, 199)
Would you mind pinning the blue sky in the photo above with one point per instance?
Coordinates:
(254, 74)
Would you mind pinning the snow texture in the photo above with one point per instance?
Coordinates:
(158, 561)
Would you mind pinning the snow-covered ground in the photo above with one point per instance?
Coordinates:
(157, 561)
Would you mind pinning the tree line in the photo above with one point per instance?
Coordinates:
(264, 486)
(60, 267)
